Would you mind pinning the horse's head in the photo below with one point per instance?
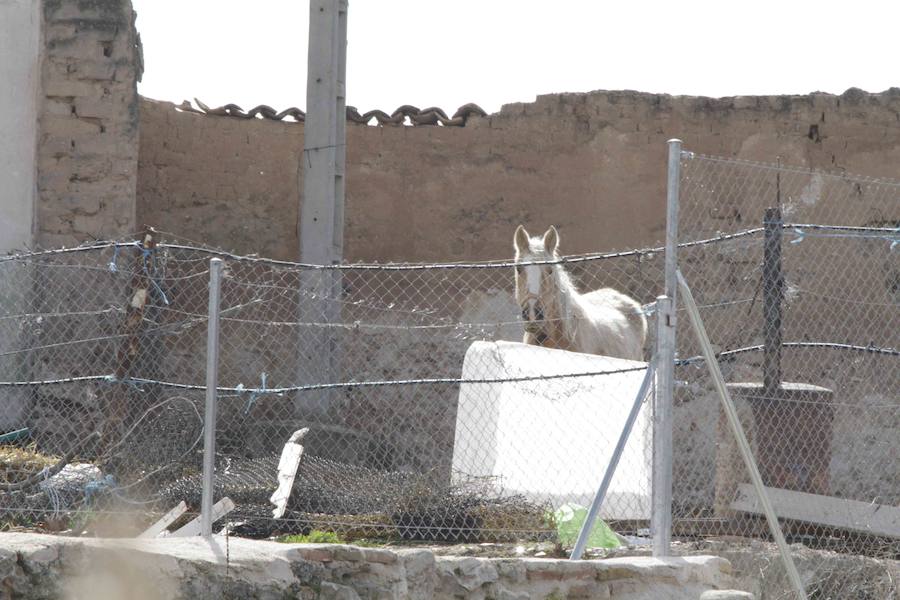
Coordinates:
(534, 282)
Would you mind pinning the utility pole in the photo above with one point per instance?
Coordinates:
(321, 226)
(324, 132)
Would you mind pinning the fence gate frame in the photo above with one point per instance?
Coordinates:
(661, 515)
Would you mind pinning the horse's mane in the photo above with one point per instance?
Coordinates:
(566, 294)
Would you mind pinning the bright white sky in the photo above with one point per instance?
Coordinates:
(493, 52)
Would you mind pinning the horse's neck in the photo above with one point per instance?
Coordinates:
(566, 299)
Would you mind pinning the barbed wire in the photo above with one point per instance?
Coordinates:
(871, 349)
(139, 381)
(442, 380)
(564, 260)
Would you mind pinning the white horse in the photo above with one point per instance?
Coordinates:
(556, 315)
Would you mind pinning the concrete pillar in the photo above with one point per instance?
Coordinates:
(20, 69)
(322, 211)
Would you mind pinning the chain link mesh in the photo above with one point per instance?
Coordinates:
(820, 405)
(422, 423)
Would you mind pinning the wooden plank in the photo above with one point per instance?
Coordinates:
(220, 509)
(166, 520)
(867, 517)
(287, 471)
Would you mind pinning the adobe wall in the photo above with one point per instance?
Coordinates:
(84, 125)
(593, 164)
(88, 122)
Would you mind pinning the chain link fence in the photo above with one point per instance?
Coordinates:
(803, 307)
(424, 422)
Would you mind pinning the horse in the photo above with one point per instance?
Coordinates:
(604, 321)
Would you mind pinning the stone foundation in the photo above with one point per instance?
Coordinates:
(38, 566)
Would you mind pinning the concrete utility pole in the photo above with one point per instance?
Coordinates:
(20, 81)
(322, 215)
(321, 224)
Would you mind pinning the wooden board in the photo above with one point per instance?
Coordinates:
(287, 471)
(867, 517)
(220, 509)
(166, 520)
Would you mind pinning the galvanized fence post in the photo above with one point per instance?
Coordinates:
(661, 508)
(212, 382)
(661, 515)
(600, 496)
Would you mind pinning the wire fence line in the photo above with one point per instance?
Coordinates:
(811, 363)
(400, 415)
(425, 423)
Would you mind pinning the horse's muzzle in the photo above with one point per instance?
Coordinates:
(533, 326)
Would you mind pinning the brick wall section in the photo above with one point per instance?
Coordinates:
(88, 144)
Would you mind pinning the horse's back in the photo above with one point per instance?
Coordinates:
(612, 309)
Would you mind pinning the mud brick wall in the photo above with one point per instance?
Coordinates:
(592, 164)
(88, 121)
(87, 180)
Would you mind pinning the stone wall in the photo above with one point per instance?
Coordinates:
(34, 566)
(88, 120)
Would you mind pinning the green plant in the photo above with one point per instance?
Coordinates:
(329, 537)
(313, 537)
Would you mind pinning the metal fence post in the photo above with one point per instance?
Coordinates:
(672, 187)
(212, 382)
(661, 509)
(661, 516)
(600, 496)
(773, 295)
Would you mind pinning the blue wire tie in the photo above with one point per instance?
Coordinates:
(127, 381)
(255, 395)
(93, 488)
(113, 267)
(147, 253)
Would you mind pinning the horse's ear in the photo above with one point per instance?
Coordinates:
(551, 239)
(521, 239)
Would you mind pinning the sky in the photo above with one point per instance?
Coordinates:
(494, 52)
